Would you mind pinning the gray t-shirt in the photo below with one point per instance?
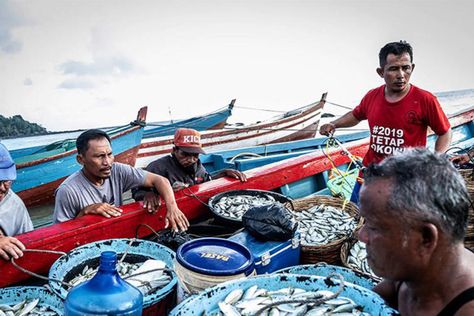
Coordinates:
(14, 217)
(77, 192)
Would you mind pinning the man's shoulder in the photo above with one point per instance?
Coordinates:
(72, 180)
(418, 92)
(160, 163)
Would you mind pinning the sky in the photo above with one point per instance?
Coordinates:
(72, 64)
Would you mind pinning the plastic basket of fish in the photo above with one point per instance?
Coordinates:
(354, 256)
(29, 300)
(324, 223)
(229, 207)
(324, 270)
(284, 294)
(135, 258)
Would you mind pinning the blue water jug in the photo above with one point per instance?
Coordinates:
(105, 294)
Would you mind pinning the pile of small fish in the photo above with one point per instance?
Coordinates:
(27, 308)
(323, 224)
(235, 206)
(126, 270)
(357, 259)
(252, 300)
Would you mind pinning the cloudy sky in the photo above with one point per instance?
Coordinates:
(69, 64)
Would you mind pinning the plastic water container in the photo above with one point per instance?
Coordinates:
(323, 269)
(206, 303)
(105, 294)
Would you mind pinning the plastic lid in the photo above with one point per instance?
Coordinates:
(215, 256)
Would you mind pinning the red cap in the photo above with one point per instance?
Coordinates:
(188, 140)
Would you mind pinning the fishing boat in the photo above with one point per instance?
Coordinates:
(213, 120)
(252, 157)
(297, 124)
(294, 177)
(41, 169)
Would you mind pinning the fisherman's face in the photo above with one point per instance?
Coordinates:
(389, 243)
(4, 188)
(397, 72)
(97, 160)
(185, 159)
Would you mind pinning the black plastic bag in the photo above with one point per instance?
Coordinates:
(270, 222)
(172, 239)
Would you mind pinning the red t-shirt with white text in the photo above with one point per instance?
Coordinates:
(394, 126)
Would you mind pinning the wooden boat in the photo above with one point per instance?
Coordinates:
(300, 123)
(252, 157)
(295, 177)
(214, 120)
(41, 170)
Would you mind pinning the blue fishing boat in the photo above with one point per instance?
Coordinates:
(252, 157)
(213, 120)
(41, 169)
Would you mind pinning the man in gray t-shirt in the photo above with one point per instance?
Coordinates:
(98, 187)
(14, 217)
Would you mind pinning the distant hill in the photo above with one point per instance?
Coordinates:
(16, 126)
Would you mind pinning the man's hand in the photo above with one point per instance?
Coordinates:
(235, 174)
(327, 129)
(11, 247)
(176, 219)
(461, 159)
(151, 202)
(104, 209)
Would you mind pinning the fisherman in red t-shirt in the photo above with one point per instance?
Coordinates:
(398, 112)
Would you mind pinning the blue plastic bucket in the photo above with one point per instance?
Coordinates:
(205, 262)
(207, 301)
(17, 294)
(324, 270)
(67, 267)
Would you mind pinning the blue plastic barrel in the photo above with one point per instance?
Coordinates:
(17, 294)
(206, 303)
(67, 267)
(205, 262)
(324, 270)
(105, 294)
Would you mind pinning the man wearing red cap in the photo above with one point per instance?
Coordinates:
(14, 217)
(182, 168)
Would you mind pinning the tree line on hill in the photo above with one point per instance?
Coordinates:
(16, 126)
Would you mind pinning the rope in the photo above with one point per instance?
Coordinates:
(331, 142)
(191, 194)
(314, 301)
(147, 226)
(127, 249)
(339, 105)
(39, 276)
(244, 154)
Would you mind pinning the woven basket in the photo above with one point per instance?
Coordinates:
(329, 253)
(345, 249)
(468, 175)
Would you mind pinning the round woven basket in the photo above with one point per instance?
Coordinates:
(468, 175)
(345, 249)
(329, 253)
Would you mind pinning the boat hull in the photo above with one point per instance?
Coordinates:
(298, 126)
(38, 178)
(212, 120)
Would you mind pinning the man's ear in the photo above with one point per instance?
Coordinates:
(80, 159)
(429, 237)
(412, 67)
(380, 72)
